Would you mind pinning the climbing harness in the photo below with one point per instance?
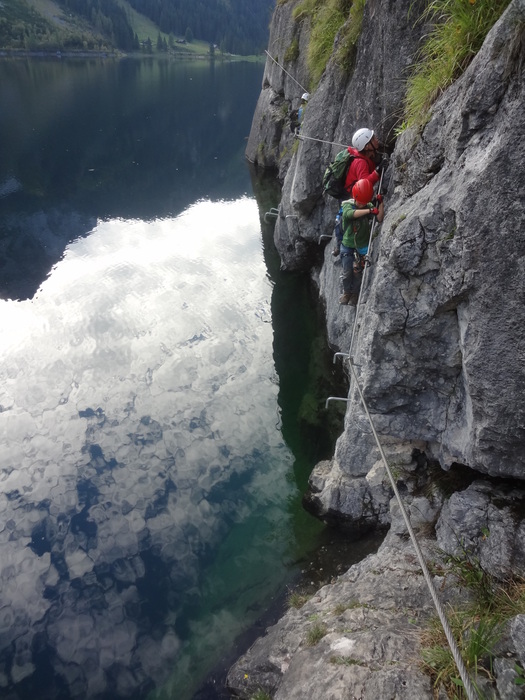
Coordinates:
(288, 74)
(467, 683)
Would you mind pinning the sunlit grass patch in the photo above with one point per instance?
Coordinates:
(477, 627)
(476, 638)
(460, 29)
(326, 17)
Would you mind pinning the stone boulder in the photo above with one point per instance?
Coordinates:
(486, 523)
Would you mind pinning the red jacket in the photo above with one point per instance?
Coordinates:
(361, 168)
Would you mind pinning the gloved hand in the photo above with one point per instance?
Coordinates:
(383, 164)
(374, 211)
(378, 198)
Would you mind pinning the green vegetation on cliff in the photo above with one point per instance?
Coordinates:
(459, 32)
(460, 27)
(327, 18)
(478, 626)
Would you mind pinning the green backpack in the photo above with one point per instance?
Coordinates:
(335, 175)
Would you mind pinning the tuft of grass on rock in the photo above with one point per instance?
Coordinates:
(345, 661)
(260, 695)
(296, 599)
(326, 19)
(477, 627)
(314, 635)
(292, 52)
(350, 33)
(460, 28)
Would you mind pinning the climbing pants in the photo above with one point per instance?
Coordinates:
(351, 278)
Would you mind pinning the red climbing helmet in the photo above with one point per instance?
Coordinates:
(363, 191)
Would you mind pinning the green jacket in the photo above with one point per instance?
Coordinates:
(356, 232)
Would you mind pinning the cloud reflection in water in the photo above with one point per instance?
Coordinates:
(139, 424)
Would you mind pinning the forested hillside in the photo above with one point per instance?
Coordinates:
(237, 26)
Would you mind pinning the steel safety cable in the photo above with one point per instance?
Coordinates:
(296, 133)
(302, 137)
(285, 71)
(367, 265)
(467, 683)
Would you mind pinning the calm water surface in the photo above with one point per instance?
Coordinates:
(151, 457)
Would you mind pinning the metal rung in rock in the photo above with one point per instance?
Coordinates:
(335, 398)
(272, 214)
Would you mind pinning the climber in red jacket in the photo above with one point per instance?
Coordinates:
(364, 148)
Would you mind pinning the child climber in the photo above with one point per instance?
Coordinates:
(356, 217)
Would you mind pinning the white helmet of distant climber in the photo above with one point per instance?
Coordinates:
(305, 96)
(361, 138)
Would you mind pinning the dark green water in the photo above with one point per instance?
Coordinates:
(162, 384)
(86, 140)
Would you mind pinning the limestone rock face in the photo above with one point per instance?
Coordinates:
(440, 342)
(489, 523)
(285, 79)
(440, 350)
(344, 100)
(361, 636)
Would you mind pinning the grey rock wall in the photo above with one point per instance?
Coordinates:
(441, 346)
(368, 645)
(344, 100)
(440, 343)
(284, 81)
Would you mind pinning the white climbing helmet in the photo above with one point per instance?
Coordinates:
(305, 96)
(361, 138)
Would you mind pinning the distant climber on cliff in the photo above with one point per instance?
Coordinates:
(296, 118)
(366, 164)
(357, 214)
(300, 112)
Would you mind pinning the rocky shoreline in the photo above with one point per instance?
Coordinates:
(361, 636)
(334, 557)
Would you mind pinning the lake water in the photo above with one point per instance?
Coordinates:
(162, 384)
